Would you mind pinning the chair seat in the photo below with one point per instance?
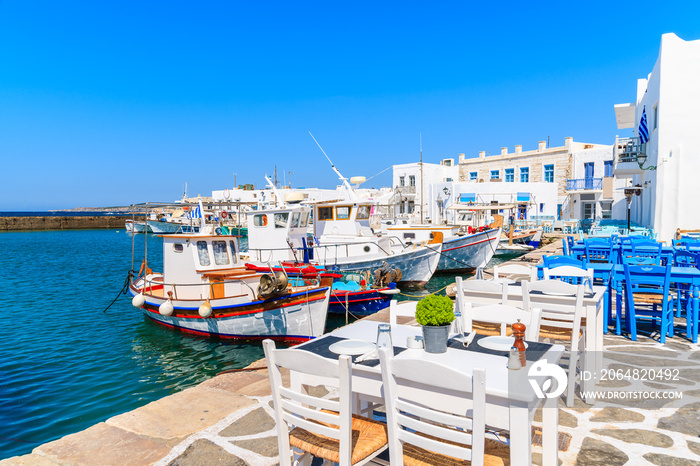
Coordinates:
(496, 454)
(650, 298)
(368, 436)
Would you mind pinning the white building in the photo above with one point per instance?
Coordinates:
(670, 99)
(411, 193)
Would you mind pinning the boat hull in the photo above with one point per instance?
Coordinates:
(292, 317)
(358, 303)
(164, 228)
(417, 266)
(470, 251)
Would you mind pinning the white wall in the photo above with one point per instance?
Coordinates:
(670, 198)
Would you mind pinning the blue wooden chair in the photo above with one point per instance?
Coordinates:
(647, 287)
(684, 258)
(551, 262)
(642, 253)
(686, 244)
(569, 245)
(600, 251)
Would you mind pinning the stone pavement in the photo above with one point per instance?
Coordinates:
(228, 420)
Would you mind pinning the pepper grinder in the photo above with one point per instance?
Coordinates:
(519, 333)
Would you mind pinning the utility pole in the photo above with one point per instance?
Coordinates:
(235, 185)
(290, 180)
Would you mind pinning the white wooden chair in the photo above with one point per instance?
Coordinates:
(570, 274)
(401, 309)
(502, 317)
(468, 292)
(319, 427)
(420, 431)
(515, 271)
(560, 320)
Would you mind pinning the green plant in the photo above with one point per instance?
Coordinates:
(434, 310)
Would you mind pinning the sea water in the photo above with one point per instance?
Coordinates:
(69, 360)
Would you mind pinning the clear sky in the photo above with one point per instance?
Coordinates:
(106, 103)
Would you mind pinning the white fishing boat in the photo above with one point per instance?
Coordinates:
(136, 226)
(204, 289)
(462, 249)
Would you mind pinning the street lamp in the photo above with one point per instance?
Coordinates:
(641, 160)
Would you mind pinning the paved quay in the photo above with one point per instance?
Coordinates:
(228, 419)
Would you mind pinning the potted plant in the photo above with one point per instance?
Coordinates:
(435, 313)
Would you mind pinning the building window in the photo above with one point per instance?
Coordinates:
(448, 163)
(549, 173)
(606, 209)
(524, 174)
(402, 181)
(472, 176)
(608, 168)
(495, 174)
(448, 180)
(656, 117)
(510, 175)
(412, 180)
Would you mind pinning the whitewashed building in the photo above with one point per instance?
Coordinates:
(664, 169)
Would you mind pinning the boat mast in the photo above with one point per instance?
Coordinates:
(351, 192)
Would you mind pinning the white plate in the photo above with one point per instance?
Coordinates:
(554, 293)
(352, 347)
(498, 343)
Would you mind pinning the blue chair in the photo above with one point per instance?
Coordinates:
(686, 243)
(600, 251)
(551, 262)
(684, 258)
(569, 245)
(646, 288)
(643, 253)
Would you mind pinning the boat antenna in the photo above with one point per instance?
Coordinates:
(347, 186)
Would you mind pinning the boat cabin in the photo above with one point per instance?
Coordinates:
(277, 234)
(349, 218)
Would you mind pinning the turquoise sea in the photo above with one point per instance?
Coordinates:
(66, 363)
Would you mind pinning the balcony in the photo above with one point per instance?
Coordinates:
(585, 184)
(406, 189)
(626, 152)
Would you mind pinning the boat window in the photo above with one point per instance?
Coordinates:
(260, 220)
(409, 236)
(342, 212)
(304, 220)
(281, 219)
(220, 253)
(325, 213)
(295, 219)
(177, 247)
(233, 252)
(363, 212)
(203, 253)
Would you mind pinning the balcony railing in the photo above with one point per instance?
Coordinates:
(628, 149)
(584, 183)
(406, 189)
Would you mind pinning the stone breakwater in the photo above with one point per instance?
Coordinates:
(63, 223)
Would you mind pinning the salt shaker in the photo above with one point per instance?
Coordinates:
(514, 359)
(384, 336)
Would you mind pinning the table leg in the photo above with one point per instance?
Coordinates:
(520, 436)
(607, 298)
(550, 432)
(696, 295)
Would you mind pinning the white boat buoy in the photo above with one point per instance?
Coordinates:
(390, 291)
(138, 300)
(205, 309)
(166, 308)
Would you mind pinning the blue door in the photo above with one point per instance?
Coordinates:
(588, 168)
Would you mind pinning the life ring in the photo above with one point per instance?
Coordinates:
(224, 214)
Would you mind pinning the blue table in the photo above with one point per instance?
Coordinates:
(579, 250)
(685, 275)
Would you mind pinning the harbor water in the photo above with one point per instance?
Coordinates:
(67, 361)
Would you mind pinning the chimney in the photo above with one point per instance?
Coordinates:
(482, 154)
(518, 149)
(568, 141)
(542, 145)
(504, 151)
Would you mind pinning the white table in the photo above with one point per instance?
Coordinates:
(509, 411)
(594, 310)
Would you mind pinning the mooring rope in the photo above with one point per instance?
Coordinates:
(124, 290)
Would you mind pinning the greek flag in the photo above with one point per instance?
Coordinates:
(195, 213)
(643, 130)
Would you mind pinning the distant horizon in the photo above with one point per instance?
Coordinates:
(117, 104)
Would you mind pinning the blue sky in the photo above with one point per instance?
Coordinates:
(114, 103)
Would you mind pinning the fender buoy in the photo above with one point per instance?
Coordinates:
(224, 214)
